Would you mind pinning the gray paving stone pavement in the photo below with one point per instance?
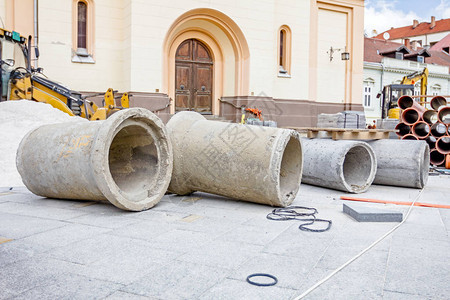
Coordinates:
(204, 246)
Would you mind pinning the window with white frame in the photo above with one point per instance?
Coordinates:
(367, 93)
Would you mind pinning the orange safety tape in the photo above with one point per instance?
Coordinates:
(395, 202)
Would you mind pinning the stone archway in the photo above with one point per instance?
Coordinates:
(226, 44)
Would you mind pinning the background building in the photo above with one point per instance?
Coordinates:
(283, 57)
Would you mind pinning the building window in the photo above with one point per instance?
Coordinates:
(82, 26)
(284, 51)
(420, 59)
(83, 31)
(399, 55)
(416, 89)
(436, 90)
(368, 88)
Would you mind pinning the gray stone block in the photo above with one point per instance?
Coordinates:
(363, 213)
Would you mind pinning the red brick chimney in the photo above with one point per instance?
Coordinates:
(433, 22)
(415, 23)
(407, 43)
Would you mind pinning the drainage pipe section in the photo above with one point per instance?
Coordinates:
(421, 130)
(251, 163)
(126, 160)
(403, 129)
(438, 101)
(401, 162)
(405, 102)
(348, 166)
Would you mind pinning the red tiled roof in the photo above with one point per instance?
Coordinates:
(422, 28)
(373, 47)
(445, 42)
(438, 58)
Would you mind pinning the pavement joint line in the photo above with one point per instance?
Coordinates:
(386, 267)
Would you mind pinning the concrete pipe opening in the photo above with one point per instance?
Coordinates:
(133, 159)
(290, 173)
(125, 160)
(410, 116)
(358, 168)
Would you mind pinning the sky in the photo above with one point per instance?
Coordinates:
(381, 15)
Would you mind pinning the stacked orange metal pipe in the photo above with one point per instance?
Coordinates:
(431, 125)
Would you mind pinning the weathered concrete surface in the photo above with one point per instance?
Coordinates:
(126, 160)
(251, 163)
(401, 162)
(342, 165)
(60, 250)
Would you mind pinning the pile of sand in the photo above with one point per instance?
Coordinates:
(17, 118)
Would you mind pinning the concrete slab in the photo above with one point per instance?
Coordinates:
(364, 213)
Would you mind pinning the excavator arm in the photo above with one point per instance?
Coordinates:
(416, 76)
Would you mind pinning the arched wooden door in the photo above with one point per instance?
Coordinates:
(193, 77)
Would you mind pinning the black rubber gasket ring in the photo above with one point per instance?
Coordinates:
(275, 280)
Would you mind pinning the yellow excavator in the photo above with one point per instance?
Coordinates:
(19, 80)
(392, 92)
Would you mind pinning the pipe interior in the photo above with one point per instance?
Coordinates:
(444, 115)
(437, 158)
(421, 129)
(409, 137)
(443, 144)
(405, 102)
(403, 129)
(431, 140)
(437, 102)
(411, 116)
(438, 129)
(133, 160)
(430, 116)
(291, 167)
(357, 167)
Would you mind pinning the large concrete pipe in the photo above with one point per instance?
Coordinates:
(342, 165)
(401, 163)
(438, 101)
(405, 102)
(252, 163)
(126, 160)
(403, 129)
(430, 116)
(421, 130)
(443, 144)
(444, 115)
(438, 129)
(411, 116)
(436, 157)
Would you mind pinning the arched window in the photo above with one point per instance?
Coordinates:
(81, 25)
(83, 31)
(436, 89)
(284, 51)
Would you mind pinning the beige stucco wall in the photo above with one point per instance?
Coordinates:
(129, 46)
